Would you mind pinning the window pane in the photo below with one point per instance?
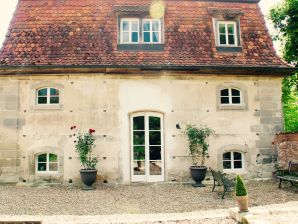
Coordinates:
(231, 29)
(224, 100)
(139, 152)
(125, 37)
(236, 100)
(155, 168)
(54, 100)
(235, 92)
(237, 164)
(42, 92)
(54, 92)
(146, 26)
(224, 92)
(125, 26)
(227, 164)
(53, 167)
(134, 26)
(154, 123)
(155, 26)
(222, 39)
(155, 153)
(237, 156)
(222, 28)
(226, 156)
(155, 37)
(139, 123)
(53, 158)
(231, 39)
(42, 100)
(134, 37)
(42, 167)
(139, 138)
(154, 138)
(42, 158)
(146, 37)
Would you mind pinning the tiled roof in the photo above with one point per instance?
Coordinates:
(84, 32)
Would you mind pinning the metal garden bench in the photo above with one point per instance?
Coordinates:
(291, 174)
(220, 179)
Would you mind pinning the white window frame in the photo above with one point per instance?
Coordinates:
(226, 23)
(151, 31)
(231, 97)
(232, 162)
(47, 171)
(130, 20)
(48, 96)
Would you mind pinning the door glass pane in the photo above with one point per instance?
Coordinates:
(53, 167)
(154, 123)
(42, 167)
(134, 37)
(139, 123)
(139, 137)
(227, 164)
(155, 167)
(224, 100)
(139, 167)
(147, 37)
(42, 100)
(154, 138)
(155, 153)
(237, 164)
(139, 152)
(146, 26)
(155, 37)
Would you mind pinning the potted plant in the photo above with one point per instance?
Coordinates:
(241, 194)
(198, 149)
(84, 145)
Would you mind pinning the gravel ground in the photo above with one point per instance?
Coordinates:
(133, 199)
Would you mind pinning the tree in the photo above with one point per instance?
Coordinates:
(285, 20)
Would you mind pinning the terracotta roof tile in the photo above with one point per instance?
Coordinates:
(84, 32)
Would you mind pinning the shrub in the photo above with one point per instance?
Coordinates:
(240, 187)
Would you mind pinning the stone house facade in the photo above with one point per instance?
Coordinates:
(133, 70)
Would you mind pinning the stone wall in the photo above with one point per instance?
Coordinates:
(287, 147)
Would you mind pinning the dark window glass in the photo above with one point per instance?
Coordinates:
(139, 138)
(154, 123)
(224, 100)
(154, 153)
(154, 138)
(227, 156)
(139, 123)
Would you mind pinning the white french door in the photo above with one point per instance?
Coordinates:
(147, 150)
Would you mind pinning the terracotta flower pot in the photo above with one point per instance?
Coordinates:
(242, 203)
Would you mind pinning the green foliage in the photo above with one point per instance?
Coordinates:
(240, 187)
(197, 142)
(285, 19)
(84, 147)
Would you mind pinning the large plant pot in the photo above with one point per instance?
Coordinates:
(242, 203)
(198, 174)
(88, 177)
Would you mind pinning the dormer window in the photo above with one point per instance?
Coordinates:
(227, 33)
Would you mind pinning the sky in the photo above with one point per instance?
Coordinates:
(7, 8)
